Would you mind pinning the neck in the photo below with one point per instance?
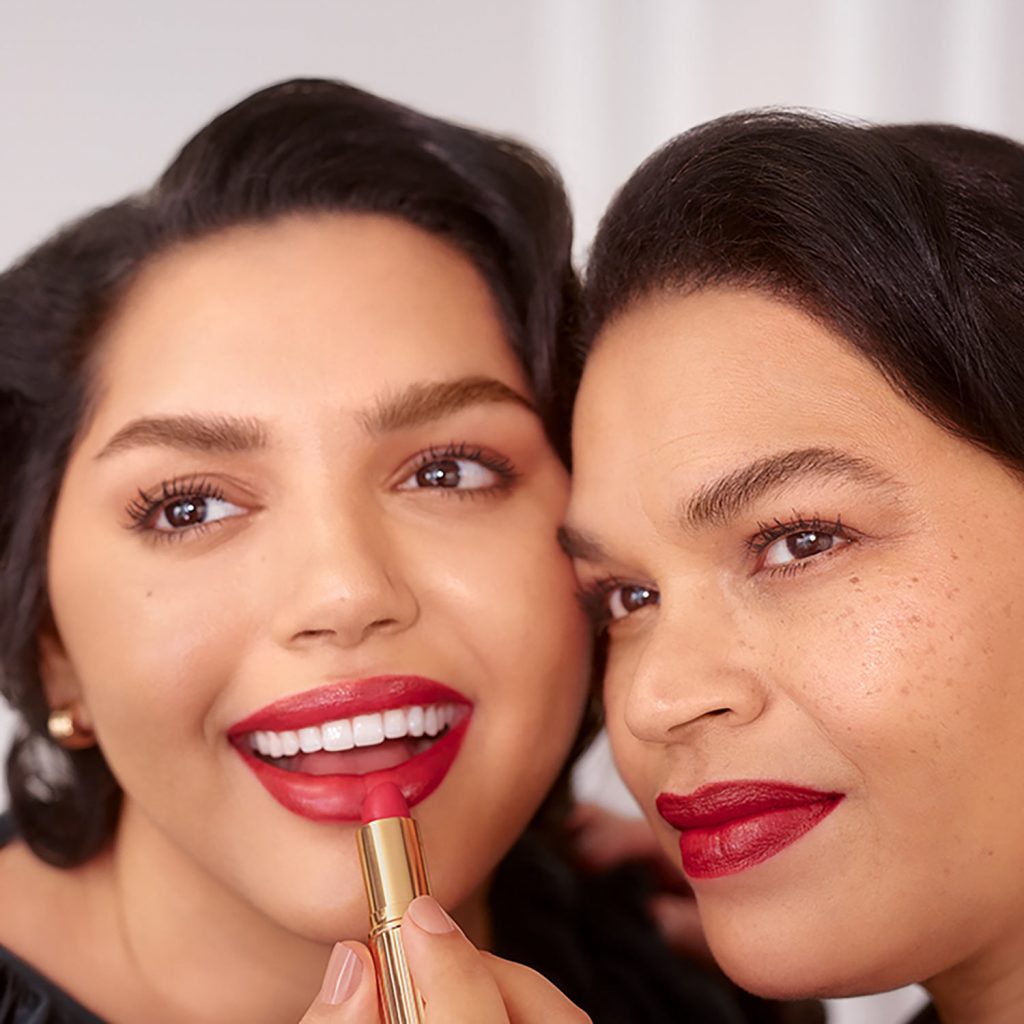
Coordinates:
(988, 989)
(199, 952)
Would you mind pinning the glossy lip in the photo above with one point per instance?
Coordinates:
(727, 827)
(340, 797)
(346, 700)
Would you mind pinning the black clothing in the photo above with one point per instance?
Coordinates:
(588, 935)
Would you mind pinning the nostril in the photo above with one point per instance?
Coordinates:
(314, 634)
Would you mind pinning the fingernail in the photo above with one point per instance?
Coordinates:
(427, 914)
(344, 971)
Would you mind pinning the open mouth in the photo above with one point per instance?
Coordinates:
(326, 748)
(357, 745)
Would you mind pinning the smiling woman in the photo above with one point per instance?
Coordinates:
(796, 508)
(285, 435)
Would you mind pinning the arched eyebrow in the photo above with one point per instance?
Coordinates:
(724, 499)
(720, 501)
(418, 404)
(424, 402)
(188, 433)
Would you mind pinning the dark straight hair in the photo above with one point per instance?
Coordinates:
(908, 240)
(301, 147)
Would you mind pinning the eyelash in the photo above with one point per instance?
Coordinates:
(491, 460)
(145, 504)
(593, 598)
(768, 533)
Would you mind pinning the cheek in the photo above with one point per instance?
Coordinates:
(915, 681)
(151, 644)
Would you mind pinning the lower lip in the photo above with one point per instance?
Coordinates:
(741, 843)
(340, 797)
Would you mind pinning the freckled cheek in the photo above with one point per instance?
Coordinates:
(883, 671)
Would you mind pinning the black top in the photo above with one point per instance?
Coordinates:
(588, 934)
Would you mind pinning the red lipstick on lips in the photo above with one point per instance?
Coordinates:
(339, 797)
(727, 827)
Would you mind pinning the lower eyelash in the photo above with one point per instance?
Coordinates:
(593, 599)
(493, 461)
(769, 533)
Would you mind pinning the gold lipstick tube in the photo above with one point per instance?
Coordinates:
(394, 873)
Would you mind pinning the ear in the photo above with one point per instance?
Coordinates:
(60, 680)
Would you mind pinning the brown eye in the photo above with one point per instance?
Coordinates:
(466, 474)
(444, 473)
(623, 601)
(185, 513)
(801, 545)
(191, 511)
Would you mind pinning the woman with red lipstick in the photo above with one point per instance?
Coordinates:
(280, 452)
(799, 455)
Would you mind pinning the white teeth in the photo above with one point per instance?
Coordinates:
(338, 735)
(368, 730)
(395, 724)
(416, 717)
(310, 740)
(360, 731)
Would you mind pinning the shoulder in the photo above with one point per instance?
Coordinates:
(39, 912)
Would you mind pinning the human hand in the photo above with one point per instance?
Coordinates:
(459, 984)
(603, 840)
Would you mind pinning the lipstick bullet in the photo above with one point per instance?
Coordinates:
(394, 874)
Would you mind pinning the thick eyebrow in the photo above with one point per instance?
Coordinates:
(577, 544)
(189, 433)
(423, 403)
(724, 499)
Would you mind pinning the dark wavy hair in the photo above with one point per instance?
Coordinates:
(305, 146)
(908, 240)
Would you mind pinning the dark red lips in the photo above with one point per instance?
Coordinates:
(726, 827)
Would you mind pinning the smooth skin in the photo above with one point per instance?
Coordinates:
(323, 554)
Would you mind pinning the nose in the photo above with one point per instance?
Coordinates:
(695, 668)
(341, 582)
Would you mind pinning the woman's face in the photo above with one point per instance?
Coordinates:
(814, 610)
(314, 506)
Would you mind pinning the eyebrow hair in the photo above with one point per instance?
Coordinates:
(422, 403)
(577, 544)
(724, 499)
(410, 407)
(189, 433)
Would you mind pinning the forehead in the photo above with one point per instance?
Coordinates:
(335, 301)
(683, 389)
(720, 372)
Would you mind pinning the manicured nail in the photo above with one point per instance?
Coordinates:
(427, 914)
(344, 971)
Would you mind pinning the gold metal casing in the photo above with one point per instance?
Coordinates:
(394, 873)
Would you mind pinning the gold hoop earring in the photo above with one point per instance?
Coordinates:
(64, 727)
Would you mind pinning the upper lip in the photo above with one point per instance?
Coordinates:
(720, 802)
(346, 699)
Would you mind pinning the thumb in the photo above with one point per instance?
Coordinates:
(348, 994)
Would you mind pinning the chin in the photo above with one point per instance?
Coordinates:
(819, 963)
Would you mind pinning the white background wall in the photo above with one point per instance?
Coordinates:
(95, 97)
